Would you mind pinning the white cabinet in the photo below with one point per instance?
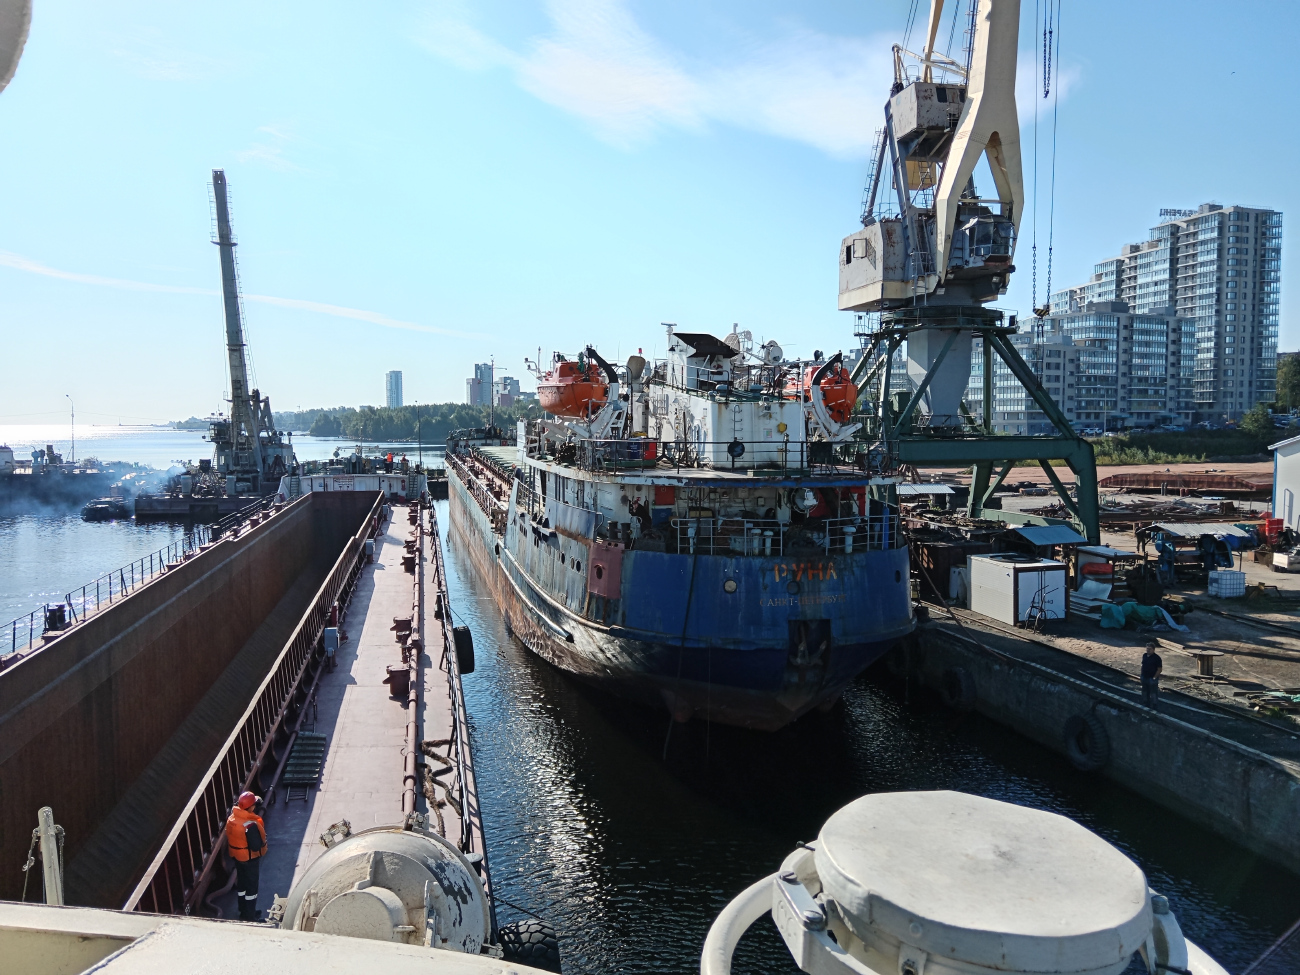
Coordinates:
(1015, 588)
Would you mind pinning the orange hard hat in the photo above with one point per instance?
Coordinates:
(246, 800)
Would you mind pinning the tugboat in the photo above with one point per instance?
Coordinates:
(703, 534)
(106, 509)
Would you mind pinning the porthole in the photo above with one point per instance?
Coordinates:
(729, 585)
(577, 566)
(600, 571)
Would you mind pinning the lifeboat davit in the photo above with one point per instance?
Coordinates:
(839, 392)
(573, 389)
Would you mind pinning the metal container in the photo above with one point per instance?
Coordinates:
(1015, 588)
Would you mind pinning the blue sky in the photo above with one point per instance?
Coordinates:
(421, 186)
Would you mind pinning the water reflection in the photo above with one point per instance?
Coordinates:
(632, 854)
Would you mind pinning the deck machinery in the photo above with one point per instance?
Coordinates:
(927, 265)
(248, 450)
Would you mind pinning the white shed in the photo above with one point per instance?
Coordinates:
(1286, 482)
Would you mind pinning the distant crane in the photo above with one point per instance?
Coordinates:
(930, 261)
(247, 448)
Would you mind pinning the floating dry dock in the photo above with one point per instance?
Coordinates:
(140, 725)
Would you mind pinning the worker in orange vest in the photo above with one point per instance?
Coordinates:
(246, 840)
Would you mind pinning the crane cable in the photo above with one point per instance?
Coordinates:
(1056, 101)
(1050, 19)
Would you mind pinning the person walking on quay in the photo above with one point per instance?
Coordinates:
(1151, 669)
(246, 840)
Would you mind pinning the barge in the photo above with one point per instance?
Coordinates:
(703, 534)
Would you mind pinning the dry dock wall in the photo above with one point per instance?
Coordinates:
(1248, 797)
(82, 718)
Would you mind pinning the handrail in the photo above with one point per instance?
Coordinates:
(473, 839)
(124, 580)
(177, 878)
(105, 589)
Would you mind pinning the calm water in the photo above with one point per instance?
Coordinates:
(632, 856)
(158, 447)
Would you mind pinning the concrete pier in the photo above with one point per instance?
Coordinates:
(1219, 767)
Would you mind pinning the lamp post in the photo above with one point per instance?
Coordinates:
(73, 407)
(419, 439)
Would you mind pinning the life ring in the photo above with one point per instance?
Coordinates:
(1087, 745)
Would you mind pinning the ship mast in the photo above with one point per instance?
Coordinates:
(243, 409)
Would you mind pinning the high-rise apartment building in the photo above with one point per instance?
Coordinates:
(505, 391)
(393, 388)
(1219, 269)
(478, 390)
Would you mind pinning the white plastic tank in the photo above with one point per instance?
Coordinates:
(910, 883)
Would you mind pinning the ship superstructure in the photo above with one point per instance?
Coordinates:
(702, 532)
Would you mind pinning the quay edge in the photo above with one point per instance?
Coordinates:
(1245, 795)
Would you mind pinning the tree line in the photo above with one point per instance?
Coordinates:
(432, 421)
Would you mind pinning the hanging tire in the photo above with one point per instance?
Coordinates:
(957, 688)
(531, 942)
(1087, 745)
(464, 649)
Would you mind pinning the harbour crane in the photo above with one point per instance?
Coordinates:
(247, 448)
(928, 263)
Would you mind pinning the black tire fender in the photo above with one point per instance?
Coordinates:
(530, 942)
(464, 649)
(957, 688)
(1087, 745)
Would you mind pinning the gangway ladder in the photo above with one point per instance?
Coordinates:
(303, 769)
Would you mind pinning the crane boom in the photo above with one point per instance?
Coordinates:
(243, 416)
(248, 449)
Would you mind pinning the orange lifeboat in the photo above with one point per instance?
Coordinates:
(839, 392)
(573, 389)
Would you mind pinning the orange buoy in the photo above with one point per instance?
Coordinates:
(573, 389)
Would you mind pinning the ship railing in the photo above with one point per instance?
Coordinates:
(764, 537)
(730, 536)
(53, 618)
(475, 479)
(782, 455)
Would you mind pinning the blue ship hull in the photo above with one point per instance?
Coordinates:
(745, 640)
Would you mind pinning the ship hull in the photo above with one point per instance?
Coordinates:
(685, 643)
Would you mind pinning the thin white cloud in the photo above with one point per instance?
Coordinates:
(20, 263)
(270, 152)
(150, 55)
(1029, 88)
(27, 265)
(597, 63)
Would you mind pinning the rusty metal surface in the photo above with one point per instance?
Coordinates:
(1184, 481)
(83, 718)
(176, 880)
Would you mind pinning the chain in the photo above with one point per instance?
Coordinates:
(31, 861)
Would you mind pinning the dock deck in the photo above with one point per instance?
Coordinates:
(364, 776)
